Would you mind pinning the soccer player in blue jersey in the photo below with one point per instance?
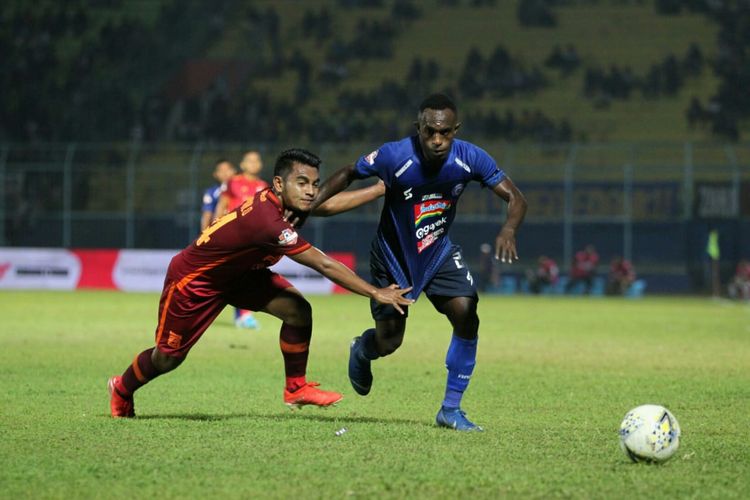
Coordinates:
(223, 171)
(424, 176)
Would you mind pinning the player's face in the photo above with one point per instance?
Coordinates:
(251, 163)
(299, 188)
(436, 129)
(223, 171)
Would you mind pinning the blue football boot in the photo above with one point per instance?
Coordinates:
(360, 374)
(455, 418)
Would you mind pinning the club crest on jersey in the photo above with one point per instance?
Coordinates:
(371, 157)
(457, 189)
(287, 237)
(428, 209)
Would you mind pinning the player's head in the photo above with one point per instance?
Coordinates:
(296, 178)
(251, 163)
(437, 123)
(223, 170)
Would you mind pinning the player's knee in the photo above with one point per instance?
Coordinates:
(300, 314)
(165, 363)
(389, 345)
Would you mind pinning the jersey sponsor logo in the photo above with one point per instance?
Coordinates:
(463, 165)
(287, 237)
(429, 228)
(407, 194)
(432, 196)
(429, 239)
(404, 168)
(429, 209)
(457, 189)
(371, 157)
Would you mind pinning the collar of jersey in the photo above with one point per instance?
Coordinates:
(272, 196)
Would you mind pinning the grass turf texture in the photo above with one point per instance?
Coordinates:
(553, 380)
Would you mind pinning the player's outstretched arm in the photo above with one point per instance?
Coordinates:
(349, 200)
(336, 183)
(505, 242)
(206, 217)
(343, 276)
(221, 206)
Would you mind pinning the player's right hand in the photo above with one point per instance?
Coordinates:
(394, 296)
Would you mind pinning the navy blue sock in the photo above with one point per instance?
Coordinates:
(460, 361)
(368, 349)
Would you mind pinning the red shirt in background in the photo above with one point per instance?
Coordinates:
(584, 264)
(239, 188)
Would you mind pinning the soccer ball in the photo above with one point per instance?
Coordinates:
(649, 433)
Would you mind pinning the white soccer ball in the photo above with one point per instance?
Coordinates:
(649, 433)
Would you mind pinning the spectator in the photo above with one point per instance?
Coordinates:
(621, 276)
(739, 287)
(583, 269)
(545, 274)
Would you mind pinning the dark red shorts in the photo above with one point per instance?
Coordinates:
(185, 313)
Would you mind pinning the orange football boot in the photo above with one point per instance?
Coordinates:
(119, 406)
(309, 394)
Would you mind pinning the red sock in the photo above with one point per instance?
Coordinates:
(138, 374)
(295, 347)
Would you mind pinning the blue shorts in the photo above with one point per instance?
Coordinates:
(453, 279)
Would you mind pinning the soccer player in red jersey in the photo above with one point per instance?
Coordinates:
(228, 264)
(243, 185)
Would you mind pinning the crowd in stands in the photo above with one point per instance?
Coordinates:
(583, 277)
(665, 78)
(48, 93)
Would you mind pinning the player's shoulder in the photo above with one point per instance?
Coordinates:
(398, 150)
(469, 150)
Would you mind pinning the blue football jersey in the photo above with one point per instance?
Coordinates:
(420, 204)
(211, 198)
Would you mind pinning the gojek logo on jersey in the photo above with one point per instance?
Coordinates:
(427, 209)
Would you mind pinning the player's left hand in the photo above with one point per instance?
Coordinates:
(296, 219)
(505, 246)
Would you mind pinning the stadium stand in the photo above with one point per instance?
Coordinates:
(348, 70)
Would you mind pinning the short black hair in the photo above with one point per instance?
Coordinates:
(289, 157)
(438, 101)
(222, 160)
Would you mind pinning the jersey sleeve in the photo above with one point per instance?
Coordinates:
(485, 170)
(378, 163)
(284, 238)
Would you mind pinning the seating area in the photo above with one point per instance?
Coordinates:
(342, 70)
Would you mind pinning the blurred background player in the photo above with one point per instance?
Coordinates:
(739, 287)
(228, 264)
(223, 171)
(237, 189)
(621, 276)
(488, 279)
(583, 269)
(545, 274)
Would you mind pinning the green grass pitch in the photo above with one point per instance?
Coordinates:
(554, 378)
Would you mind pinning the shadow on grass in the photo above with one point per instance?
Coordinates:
(292, 415)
